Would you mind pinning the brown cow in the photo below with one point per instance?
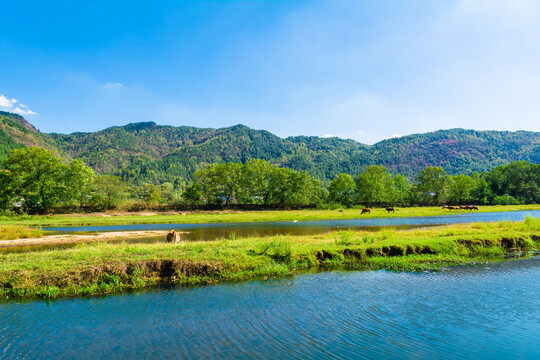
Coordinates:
(366, 211)
(173, 237)
(391, 209)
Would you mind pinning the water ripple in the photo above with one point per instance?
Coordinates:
(488, 312)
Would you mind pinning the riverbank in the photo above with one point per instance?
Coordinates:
(101, 268)
(230, 216)
(81, 238)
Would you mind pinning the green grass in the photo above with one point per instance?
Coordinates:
(11, 232)
(241, 216)
(101, 268)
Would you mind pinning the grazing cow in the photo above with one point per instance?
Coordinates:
(451, 208)
(473, 207)
(366, 211)
(391, 209)
(173, 237)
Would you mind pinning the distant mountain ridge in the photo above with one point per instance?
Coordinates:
(147, 152)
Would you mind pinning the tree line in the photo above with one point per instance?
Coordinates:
(34, 180)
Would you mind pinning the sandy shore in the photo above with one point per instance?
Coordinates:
(74, 238)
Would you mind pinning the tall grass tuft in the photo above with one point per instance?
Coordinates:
(12, 232)
(531, 223)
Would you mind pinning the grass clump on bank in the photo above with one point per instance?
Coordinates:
(12, 232)
(101, 268)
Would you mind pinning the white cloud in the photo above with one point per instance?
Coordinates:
(11, 105)
(328, 136)
(6, 103)
(393, 136)
(111, 85)
(20, 111)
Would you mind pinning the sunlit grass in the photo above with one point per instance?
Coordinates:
(98, 268)
(11, 232)
(243, 216)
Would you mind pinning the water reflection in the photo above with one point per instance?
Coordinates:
(207, 232)
(481, 312)
(216, 230)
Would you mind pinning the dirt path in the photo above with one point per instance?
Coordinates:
(74, 238)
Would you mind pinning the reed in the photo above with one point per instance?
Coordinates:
(11, 232)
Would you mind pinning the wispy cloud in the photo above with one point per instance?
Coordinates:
(13, 105)
(111, 85)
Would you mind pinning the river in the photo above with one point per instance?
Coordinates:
(483, 312)
(223, 230)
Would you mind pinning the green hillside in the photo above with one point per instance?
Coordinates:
(146, 152)
(16, 132)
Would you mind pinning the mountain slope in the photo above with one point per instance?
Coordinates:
(146, 152)
(16, 132)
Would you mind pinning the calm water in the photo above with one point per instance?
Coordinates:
(489, 312)
(215, 231)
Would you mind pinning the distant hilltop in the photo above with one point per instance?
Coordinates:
(147, 152)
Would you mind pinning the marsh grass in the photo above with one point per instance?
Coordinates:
(11, 232)
(102, 268)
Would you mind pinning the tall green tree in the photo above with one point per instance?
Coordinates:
(255, 181)
(37, 178)
(402, 194)
(152, 194)
(193, 194)
(342, 190)
(519, 179)
(461, 189)
(376, 186)
(79, 183)
(431, 186)
(108, 192)
(291, 188)
(7, 192)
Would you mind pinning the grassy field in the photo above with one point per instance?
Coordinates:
(94, 269)
(238, 216)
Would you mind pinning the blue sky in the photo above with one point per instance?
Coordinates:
(365, 70)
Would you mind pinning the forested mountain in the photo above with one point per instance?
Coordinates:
(16, 132)
(146, 152)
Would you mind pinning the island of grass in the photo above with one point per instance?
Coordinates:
(102, 268)
(230, 216)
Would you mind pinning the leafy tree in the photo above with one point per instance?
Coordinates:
(461, 189)
(431, 186)
(79, 182)
(220, 182)
(193, 194)
(519, 179)
(37, 178)
(152, 195)
(108, 192)
(342, 189)
(375, 186)
(6, 190)
(402, 187)
(291, 188)
(255, 181)
(481, 193)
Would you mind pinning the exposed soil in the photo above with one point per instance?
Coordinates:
(74, 238)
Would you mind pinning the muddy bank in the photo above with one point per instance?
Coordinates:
(80, 238)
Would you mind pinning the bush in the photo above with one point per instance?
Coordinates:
(505, 200)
